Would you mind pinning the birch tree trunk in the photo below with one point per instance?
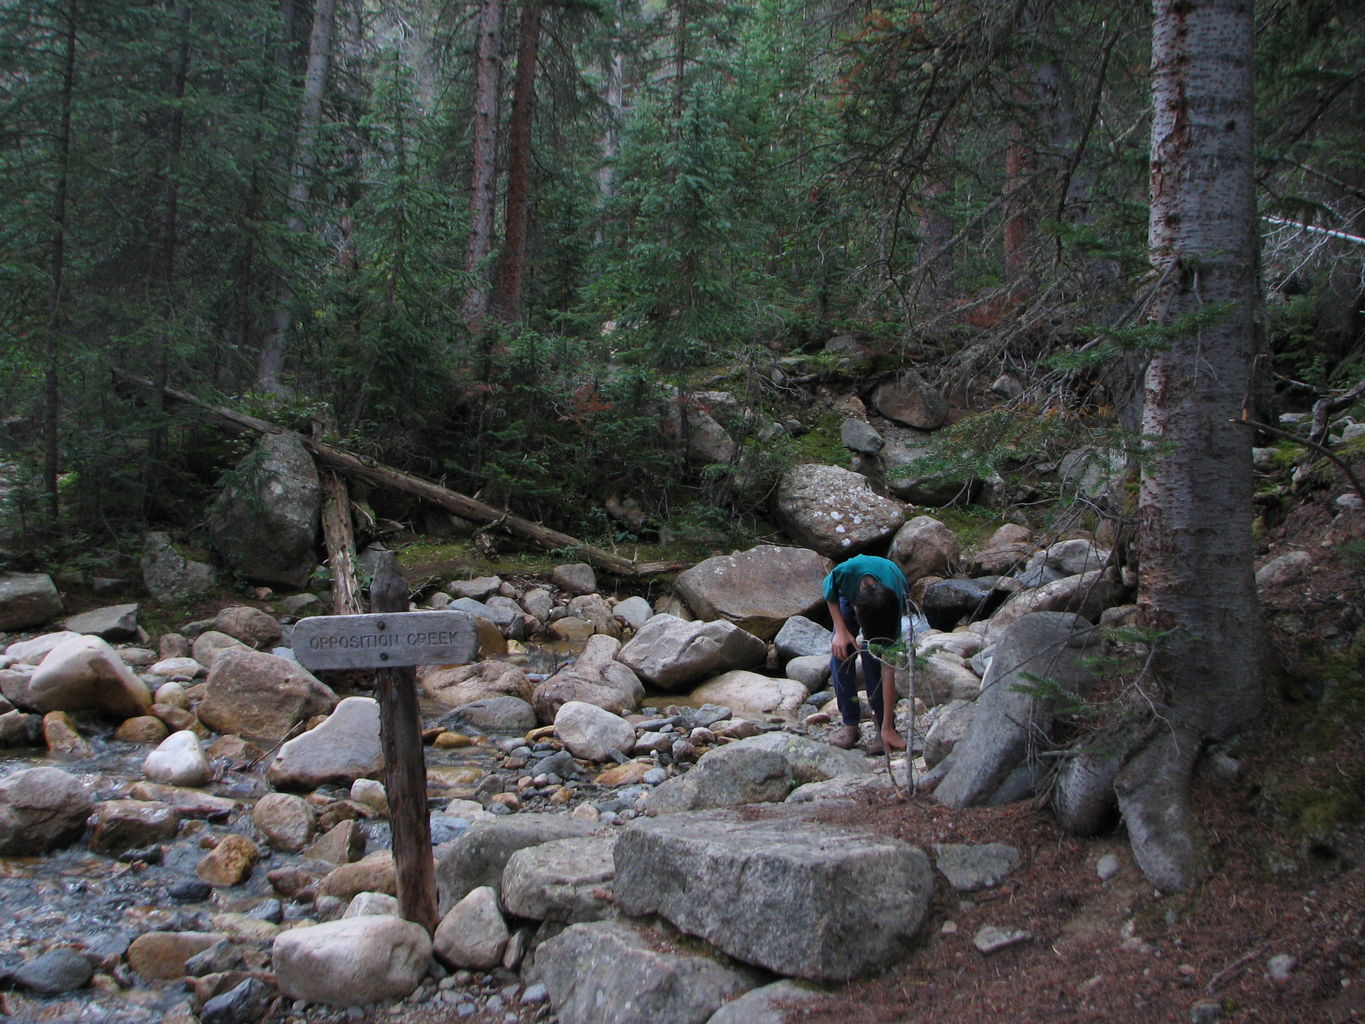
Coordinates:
(483, 174)
(270, 365)
(1196, 585)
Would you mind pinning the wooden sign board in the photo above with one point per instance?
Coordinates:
(395, 640)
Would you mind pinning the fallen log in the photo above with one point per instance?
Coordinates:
(461, 505)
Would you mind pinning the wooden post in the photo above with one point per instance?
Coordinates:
(400, 729)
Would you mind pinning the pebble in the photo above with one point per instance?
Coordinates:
(1280, 967)
(1107, 867)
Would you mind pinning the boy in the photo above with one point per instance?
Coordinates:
(865, 593)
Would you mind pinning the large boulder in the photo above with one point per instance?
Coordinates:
(907, 398)
(1086, 594)
(481, 852)
(758, 589)
(611, 972)
(41, 809)
(760, 769)
(86, 674)
(1040, 660)
(170, 576)
(27, 600)
(595, 677)
(592, 733)
(786, 892)
(341, 748)
(261, 696)
(566, 880)
(671, 653)
(835, 511)
(454, 685)
(352, 962)
(264, 522)
(751, 695)
(113, 622)
(924, 547)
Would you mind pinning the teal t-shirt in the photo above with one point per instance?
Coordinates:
(843, 580)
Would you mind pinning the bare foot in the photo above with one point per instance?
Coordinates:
(892, 740)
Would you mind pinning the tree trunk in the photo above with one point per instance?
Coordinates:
(52, 448)
(169, 238)
(512, 265)
(270, 365)
(1196, 586)
(483, 174)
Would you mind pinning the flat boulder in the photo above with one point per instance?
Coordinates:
(751, 695)
(671, 653)
(787, 892)
(760, 769)
(261, 696)
(352, 962)
(454, 685)
(342, 748)
(758, 589)
(613, 972)
(28, 600)
(41, 809)
(479, 855)
(565, 880)
(113, 622)
(834, 511)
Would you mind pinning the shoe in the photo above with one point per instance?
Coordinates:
(844, 737)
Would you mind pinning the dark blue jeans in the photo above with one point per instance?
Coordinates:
(845, 675)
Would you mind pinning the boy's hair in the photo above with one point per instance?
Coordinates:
(878, 611)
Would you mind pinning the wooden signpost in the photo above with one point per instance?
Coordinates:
(391, 641)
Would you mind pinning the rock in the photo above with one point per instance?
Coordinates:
(372, 873)
(209, 646)
(575, 578)
(834, 511)
(761, 769)
(609, 972)
(33, 651)
(592, 733)
(352, 962)
(942, 676)
(244, 1003)
(188, 803)
(366, 904)
(1086, 595)
(1076, 556)
(767, 1005)
(1283, 569)
(478, 588)
(87, 674)
(565, 880)
(41, 809)
(1096, 474)
(171, 577)
(260, 696)
(506, 616)
(28, 600)
(178, 761)
(860, 436)
(251, 626)
(751, 695)
(58, 970)
(1083, 796)
(757, 590)
(670, 653)
(952, 723)
(799, 637)
(908, 399)
(593, 608)
(343, 843)
(344, 747)
(161, 956)
(992, 939)
(230, 862)
(116, 622)
(811, 671)
(120, 825)
(20, 730)
(473, 933)
(175, 668)
(494, 714)
(787, 893)
(62, 737)
(479, 855)
(595, 677)
(634, 611)
(287, 821)
(456, 685)
(1012, 710)
(971, 867)
(924, 547)
(945, 603)
(264, 522)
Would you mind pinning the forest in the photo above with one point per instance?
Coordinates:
(478, 241)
